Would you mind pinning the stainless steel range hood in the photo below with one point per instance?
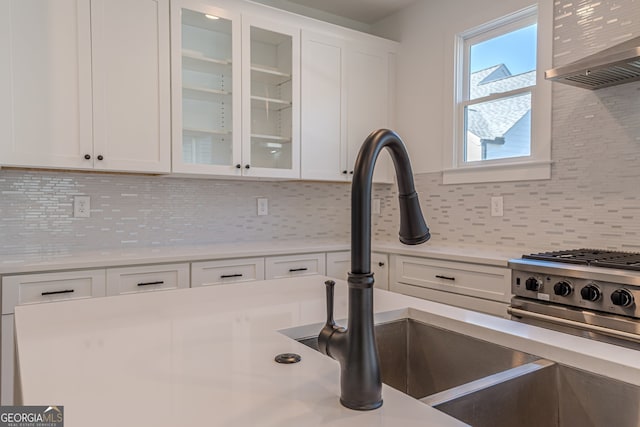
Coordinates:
(613, 66)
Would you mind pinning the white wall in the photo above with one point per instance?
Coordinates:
(426, 31)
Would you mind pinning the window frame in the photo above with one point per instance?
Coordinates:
(538, 164)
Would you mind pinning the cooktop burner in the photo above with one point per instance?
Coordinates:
(592, 257)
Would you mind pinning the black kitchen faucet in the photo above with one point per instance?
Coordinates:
(355, 347)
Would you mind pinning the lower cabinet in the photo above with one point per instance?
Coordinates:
(226, 271)
(294, 265)
(39, 289)
(130, 280)
(484, 288)
(339, 264)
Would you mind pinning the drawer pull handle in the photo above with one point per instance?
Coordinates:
(293, 270)
(160, 282)
(226, 276)
(66, 291)
(445, 277)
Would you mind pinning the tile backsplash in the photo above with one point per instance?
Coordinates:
(593, 198)
(36, 211)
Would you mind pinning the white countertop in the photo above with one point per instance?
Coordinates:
(204, 356)
(52, 261)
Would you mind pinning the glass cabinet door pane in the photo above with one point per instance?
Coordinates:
(271, 99)
(207, 119)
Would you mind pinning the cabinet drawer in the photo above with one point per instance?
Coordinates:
(50, 287)
(294, 265)
(130, 280)
(226, 271)
(475, 280)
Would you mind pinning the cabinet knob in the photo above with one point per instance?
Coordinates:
(344, 172)
(351, 173)
(247, 166)
(87, 156)
(238, 166)
(381, 264)
(100, 157)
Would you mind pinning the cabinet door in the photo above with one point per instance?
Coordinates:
(323, 108)
(45, 83)
(206, 101)
(367, 103)
(130, 57)
(271, 99)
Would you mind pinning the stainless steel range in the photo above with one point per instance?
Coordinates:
(586, 292)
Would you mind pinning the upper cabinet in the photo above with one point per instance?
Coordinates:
(206, 74)
(235, 94)
(271, 101)
(347, 93)
(84, 85)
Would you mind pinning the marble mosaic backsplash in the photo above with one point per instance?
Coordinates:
(36, 211)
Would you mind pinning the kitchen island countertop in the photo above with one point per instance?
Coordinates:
(205, 356)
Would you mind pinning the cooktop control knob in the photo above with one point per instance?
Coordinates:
(562, 289)
(533, 284)
(590, 293)
(622, 297)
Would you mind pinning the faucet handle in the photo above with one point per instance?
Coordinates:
(330, 326)
(330, 284)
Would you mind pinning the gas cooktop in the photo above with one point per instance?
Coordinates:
(592, 257)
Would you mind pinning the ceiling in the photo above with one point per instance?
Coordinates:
(366, 11)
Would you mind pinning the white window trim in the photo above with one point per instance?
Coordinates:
(534, 167)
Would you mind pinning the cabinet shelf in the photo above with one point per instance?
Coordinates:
(277, 138)
(196, 61)
(269, 103)
(204, 94)
(269, 75)
(205, 132)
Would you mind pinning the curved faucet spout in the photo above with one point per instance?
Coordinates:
(355, 348)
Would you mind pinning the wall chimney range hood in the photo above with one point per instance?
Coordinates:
(613, 66)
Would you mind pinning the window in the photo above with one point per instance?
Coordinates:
(502, 104)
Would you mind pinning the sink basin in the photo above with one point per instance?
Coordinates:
(420, 360)
(549, 395)
(488, 385)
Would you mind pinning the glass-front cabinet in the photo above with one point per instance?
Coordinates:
(271, 99)
(235, 94)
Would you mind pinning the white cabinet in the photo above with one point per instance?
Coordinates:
(339, 264)
(146, 278)
(38, 289)
(226, 271)
(236, 91)
(206, 73)
(478, 287)
(131, 95)
(84, 85)
(346, 94)
(294, 265)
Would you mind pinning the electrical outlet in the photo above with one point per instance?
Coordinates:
(497, 206)
(263, 206)
(375, 207)
(82, 206)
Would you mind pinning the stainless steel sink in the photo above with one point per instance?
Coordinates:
(487, 385)
(551, 395)
(421, 360)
